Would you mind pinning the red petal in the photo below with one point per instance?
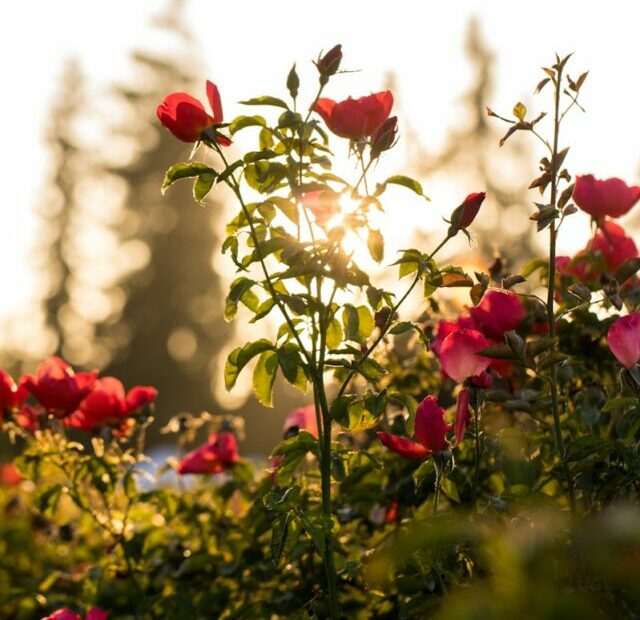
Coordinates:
(324, 107)
(213, 95)
(403, 446)
(430, 427)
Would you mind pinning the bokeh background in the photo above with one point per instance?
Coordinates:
(98, 267)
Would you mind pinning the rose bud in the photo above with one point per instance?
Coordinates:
(355, 119)
(384, 137)
(612, 197)
(329, 64)
(463, 215)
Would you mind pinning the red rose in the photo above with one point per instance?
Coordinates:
(498, 312)
(355, 118)
(304, 418)
(459, 354)
(464, 214)
(214, 457)
(612, 197)
(63, 614)
(95, 613)
(624, 339)
(107, 404)
(185, 117)
(614, 245)
(448, 327)
(430, 431)
(58, 389)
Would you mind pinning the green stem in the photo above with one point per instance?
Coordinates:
(436, 497)
(551, 293)
(476, 463)
(235, 188)
(388, 323)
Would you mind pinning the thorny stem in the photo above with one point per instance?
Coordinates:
(551, 290)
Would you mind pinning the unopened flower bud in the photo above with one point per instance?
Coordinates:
(464, 215)
(384, 137)
(329, 64)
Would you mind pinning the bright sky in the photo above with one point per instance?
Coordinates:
(248, 48)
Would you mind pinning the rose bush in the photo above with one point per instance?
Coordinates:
(450, 463)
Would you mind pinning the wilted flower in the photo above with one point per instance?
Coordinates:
(108, 404)
(185, 117)
(624, 339)
(612, 197)
(58, 388)
(355, 118)
(430, 431)
(214, 457)
(459, 354)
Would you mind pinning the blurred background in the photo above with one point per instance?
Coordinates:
(101, 269)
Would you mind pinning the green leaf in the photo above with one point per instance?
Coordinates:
(404, 181)
(266, 100)
(450, 489)
(334, 334)
(279, 535)
(264, 176)
(350, 321)
(47, 500)
(203, 185)
(241, 122)
(185, 170)
(240, 291)
(263, 377)
(365, 323)
(375, 244)
(292, 366)
(288, 208)
(586, 446)
(240, 357)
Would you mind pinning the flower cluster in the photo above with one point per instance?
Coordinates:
(80, 400)
(457, 343)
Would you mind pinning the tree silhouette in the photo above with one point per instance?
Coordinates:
(170, 328)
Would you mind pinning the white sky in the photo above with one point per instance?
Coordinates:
(249, 46)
